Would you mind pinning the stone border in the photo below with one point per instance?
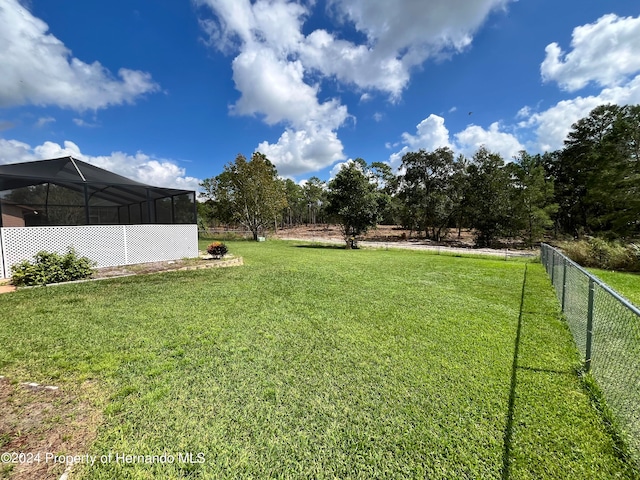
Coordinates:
(232, 262)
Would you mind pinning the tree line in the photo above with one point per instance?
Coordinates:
(589, 187)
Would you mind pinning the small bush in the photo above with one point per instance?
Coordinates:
(50, 267)
(599, 253)
(217, 249)
(578, 252)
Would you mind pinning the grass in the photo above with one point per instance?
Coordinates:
(321, 363)
(626, 284)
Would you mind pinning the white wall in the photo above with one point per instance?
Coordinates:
(108, 245)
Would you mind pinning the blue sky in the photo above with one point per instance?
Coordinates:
(167, 92)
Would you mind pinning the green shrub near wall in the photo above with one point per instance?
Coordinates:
(51, 267)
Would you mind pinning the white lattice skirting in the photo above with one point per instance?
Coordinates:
(108, 245)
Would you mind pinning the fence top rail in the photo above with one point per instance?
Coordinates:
(600, 283)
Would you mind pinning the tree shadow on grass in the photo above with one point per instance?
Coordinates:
(508, 429)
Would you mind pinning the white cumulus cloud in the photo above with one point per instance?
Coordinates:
(411, 31)
(431, 134)
(279, 68)
(551, 126)
(13, 151)
(275, 87)
(473, 137)
(305, 150)
(39, 69)
(606, 52)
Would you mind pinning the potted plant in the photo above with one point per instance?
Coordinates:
(217, 250)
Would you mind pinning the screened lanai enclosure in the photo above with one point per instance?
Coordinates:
(64, 202)
(66, 191)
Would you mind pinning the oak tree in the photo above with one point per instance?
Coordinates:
(248, 192)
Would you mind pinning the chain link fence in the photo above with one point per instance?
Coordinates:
(606, 330)
(224, 233)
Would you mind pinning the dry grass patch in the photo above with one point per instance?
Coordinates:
(39, 420)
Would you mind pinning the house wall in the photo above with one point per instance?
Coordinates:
(108, 245)
(12, 216)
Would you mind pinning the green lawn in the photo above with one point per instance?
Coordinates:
(317, 362)
(626, 284)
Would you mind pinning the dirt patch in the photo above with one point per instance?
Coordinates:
(6, 288)
(386, 233)
(386, 236)
(40, 421)
(332, 232)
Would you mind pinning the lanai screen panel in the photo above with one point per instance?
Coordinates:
(66, 191)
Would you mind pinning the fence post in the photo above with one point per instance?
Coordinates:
(587, 355)
(553, 267)
(546, 259)
(564, 280)
(126, 249)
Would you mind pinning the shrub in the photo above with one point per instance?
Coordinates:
(599, 253)
(217, 249)
(576, 251)
(51, 267)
